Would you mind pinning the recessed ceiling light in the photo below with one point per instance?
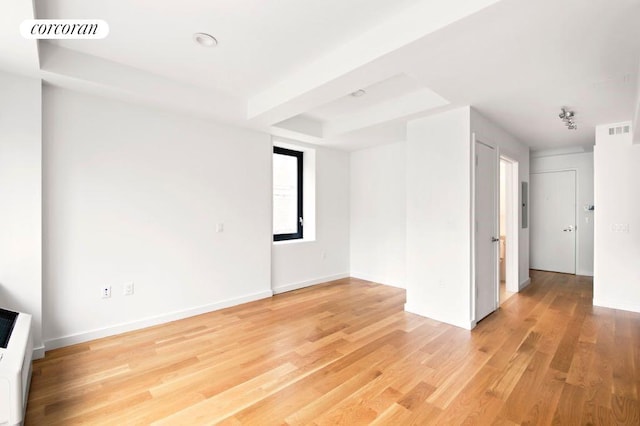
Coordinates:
(358, 93)
(204, 39)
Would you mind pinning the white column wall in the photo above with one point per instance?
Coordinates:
(616, 281)
(438, 246)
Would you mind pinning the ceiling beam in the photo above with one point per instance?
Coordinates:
(297, 92)
(77, 71)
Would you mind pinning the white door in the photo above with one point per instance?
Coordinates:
(486, 220)
(553, 221)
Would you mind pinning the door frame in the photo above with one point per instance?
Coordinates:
(512, 204)
(576, 239)
(496, 188)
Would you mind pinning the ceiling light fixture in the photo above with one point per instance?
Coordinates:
(358, 93)
(205, 40)
(568, 118)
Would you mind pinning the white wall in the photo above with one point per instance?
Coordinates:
(636, 120)
(134, 194)
(438, 249)
(325, 257)
(583, 165)
(617, 202)
(21, 198)
(378, 214)
(489, 133)
(503, 196)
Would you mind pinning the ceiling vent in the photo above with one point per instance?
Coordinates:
(619, 130)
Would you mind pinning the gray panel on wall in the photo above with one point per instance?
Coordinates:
(525, 204)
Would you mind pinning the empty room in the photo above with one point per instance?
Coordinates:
(294, 212)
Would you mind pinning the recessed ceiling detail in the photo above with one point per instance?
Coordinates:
(205, 40)
(388, 100)
(395, 87)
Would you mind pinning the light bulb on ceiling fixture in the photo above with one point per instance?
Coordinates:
(567, 118)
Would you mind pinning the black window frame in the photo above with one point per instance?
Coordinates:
(299, 157)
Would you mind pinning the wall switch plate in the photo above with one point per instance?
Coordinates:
(128, 289)
(220, 227)
(106, 291)
(620, 227)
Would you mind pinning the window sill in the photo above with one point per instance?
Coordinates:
(298, 241)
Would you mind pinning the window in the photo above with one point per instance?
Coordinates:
(287, 194)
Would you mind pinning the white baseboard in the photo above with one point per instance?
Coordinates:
(73, 339)
(525, 283)
(622, 306)
(38, 353)
(303, 284)
(467, 325)
(372, 278)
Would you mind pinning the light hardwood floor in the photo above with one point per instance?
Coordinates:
(346, 353)
(504, 294)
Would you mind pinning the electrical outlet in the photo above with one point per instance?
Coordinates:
(127, 289)
(106, 291)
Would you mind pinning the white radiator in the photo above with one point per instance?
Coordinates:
(15, 372)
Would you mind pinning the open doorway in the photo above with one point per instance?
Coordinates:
(508, 226)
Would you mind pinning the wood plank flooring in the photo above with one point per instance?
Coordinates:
(345, 352)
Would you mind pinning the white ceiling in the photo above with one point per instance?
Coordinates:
(288, 67)
(259, 41)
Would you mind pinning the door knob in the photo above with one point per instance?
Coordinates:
(569, 229)
(494, 239)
